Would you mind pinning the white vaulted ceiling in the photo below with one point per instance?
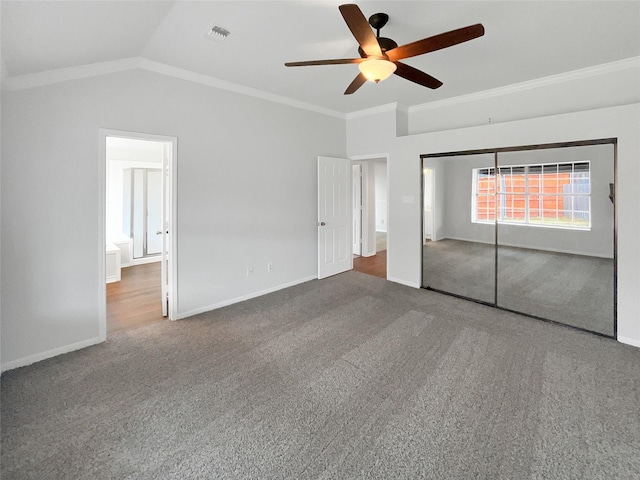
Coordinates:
(523, 41)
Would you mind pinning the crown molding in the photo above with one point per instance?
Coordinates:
(373, 110)
(620, 65)
(50, 77)
(188, 75)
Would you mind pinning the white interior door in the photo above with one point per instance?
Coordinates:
(356, 183)
(164, 230)
(334, 216)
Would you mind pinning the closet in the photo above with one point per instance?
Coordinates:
(526, 229)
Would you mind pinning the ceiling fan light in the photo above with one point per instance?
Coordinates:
(376, 69)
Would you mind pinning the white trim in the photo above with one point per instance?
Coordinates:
(102, 235)
(190, 76)
(378, 156)
(243, 298)
(507, 244)
(173, 239)
(626, 64)
(374, 110)
(372, 158)
(28, 360)
(49, 77)
(403, 282)
(402, 108)
(629, 341)
(39, 79)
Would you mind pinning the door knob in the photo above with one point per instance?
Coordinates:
(159, 232)
(321, 224)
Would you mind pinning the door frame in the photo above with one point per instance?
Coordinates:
(371, 160)
(172, 184)
(356, 182)
(432, 198)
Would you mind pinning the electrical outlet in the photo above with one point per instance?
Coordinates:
(249, 271)
(269, 267)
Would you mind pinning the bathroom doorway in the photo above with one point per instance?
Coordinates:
(140, 241)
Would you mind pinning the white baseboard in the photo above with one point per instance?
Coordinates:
(242, 298)
(629, 341)
(516, 245)
(28, 360)
(403, 282)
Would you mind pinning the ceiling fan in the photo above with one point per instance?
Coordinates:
(380, 56)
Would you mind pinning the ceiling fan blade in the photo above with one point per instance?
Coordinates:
(416, 76)
(436, 42)
(356, 84)
(360, 29)
(336, 61)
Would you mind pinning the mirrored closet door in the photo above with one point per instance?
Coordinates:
(459, 244)
(528, 230)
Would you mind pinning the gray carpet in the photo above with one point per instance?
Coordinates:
(572, 289)
(347, 377)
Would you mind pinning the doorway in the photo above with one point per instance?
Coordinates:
(139, 210)
(370, 216)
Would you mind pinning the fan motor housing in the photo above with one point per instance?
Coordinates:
(386, 44)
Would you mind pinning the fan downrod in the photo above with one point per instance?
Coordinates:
(377, 21)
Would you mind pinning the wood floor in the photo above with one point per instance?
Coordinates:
(135, 301)
(375, 265)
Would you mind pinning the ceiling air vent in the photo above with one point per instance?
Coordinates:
(217, 33)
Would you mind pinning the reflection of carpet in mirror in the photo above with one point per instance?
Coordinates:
(572, 289)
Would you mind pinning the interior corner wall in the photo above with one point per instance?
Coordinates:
(405, 244)
(247, 196)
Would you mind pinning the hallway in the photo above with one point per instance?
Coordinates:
(135, 300)
(375, 265)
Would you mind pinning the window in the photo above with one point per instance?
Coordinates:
(553, 195)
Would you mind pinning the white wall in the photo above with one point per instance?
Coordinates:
(592, 88)
(368, 136)
(380, 170)
(246, 196)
